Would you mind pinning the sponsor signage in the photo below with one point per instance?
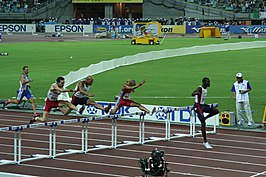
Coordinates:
(108, 28)
(173, 29)
(182, 116)
(236, 29)
(18, 28)
(107, 1)
(55, 28)
(143, 28)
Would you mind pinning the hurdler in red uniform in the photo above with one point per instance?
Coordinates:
(124, 98)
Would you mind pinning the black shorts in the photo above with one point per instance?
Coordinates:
(201, 108)
(76, 101)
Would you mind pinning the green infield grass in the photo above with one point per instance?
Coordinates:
(168, 81)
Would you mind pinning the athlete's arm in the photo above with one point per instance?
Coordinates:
(22, 79)
(54, 87)
(134, 87)
(197, 91)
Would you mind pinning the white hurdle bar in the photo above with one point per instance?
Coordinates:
(84, 134)
(114, 143)
(194, 133)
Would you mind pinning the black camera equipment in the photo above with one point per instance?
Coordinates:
(154, 165)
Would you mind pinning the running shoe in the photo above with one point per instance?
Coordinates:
(56, 110)
(207, 145)
(249, 124)
(5, 104)
(32, 120)
(81, 109)
(36, 115)
(107, 109)
(240, 122)
(153, 111)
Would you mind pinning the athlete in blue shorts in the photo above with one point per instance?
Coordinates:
(24, 91)
(200, 107)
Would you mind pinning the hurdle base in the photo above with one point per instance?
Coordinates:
(75, 151)
(176, 135)
(35, 157)
(126, 143)
(68, 152)
(6, 162)
(264, 125)
(155, 138)
(100, 147)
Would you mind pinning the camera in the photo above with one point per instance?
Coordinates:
(155, 165)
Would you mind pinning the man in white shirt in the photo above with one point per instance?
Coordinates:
(240, 90)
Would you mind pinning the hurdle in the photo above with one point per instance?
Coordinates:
(214, 131)
(114, 142)
(192, 123)
(52, 153)
(52, 139)
(33, 32)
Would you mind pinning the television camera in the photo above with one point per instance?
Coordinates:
(154, 165)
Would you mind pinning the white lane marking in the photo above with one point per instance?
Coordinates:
(72, 170)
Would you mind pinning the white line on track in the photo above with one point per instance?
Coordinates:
(215, 152)
(120, 166)
(72, 170)
(202, 158)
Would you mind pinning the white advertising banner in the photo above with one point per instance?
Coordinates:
(18, 28)
(55, 28)
(181, 116)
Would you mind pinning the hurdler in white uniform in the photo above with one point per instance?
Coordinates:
(82, 97)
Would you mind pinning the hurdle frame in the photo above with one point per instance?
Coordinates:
(52, 153)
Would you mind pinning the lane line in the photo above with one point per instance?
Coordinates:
(72, 170)
(214, 152)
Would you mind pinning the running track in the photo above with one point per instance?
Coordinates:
(235, 153)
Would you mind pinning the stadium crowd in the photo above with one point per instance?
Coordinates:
(13, 6)
(129, 21)
(238, 6)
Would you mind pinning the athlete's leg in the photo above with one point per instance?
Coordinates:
(33, 105)
(114, 110)
(199, 110)
(98, 106)
(203, 128)
(142, 108)
(13, 101)
(44, 116)
(41, 119)
(213, 112)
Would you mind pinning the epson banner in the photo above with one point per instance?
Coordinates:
(55, 28)
(18, 28)
(181, 116)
